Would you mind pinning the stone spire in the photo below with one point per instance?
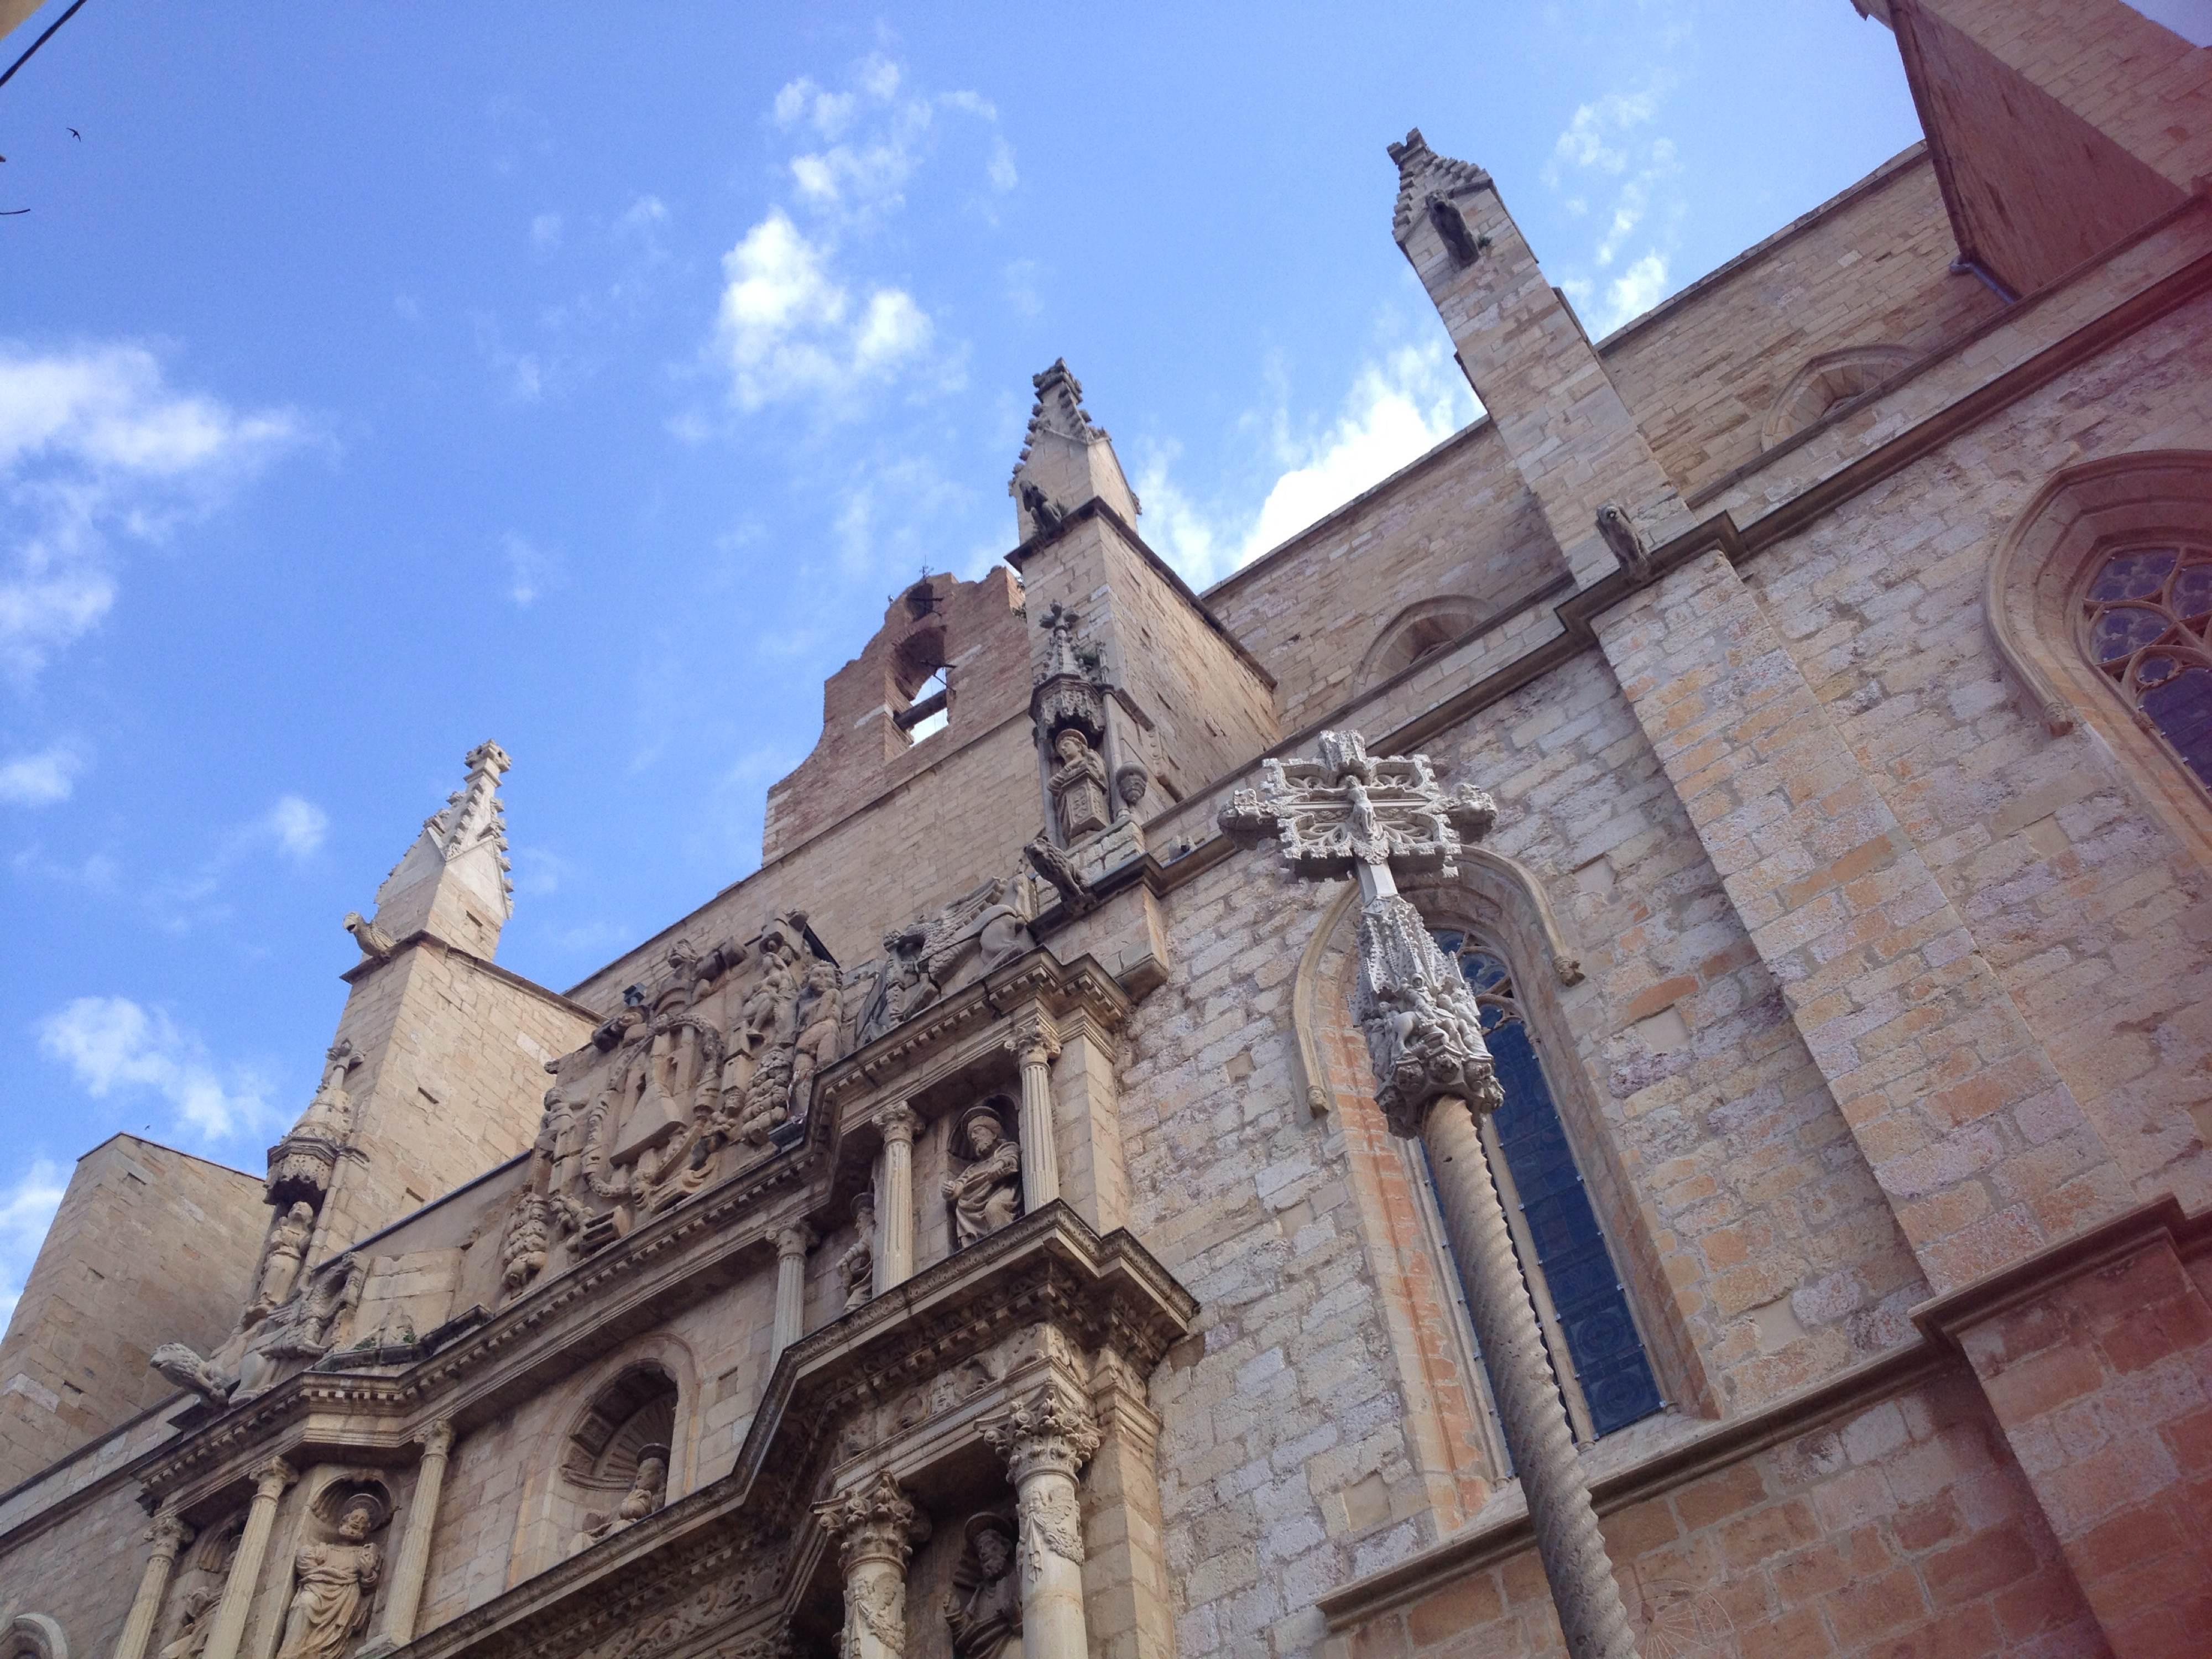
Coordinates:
(1066, 459)
(453, 881)
(1423, 173)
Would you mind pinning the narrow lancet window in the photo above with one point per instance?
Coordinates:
(2143, 619)
(1596, 1352)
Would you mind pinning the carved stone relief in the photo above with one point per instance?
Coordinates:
(985, 1193)
(856, 1268)
(648, 1491)
(1079, 785)
(301, 1165)
(333, 1581)
(983, 1608)
(984, 928)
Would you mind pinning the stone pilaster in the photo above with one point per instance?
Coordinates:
(877, 1526)
(894, 1203)
(1036, 1045)
(168, 1534)
(403, 1599)
(791, 1244)
(270, 1480)
(1046, 1441)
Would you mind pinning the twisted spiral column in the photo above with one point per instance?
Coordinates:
(1537, 1435)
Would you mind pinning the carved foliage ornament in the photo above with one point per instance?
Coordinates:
(1351, 813)
(1347, 808)
(1051, 1429)
(1423, 1027)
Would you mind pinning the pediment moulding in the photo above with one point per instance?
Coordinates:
(910, 1386)
(369, 1396)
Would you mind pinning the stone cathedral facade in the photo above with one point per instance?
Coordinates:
(1609, 1050)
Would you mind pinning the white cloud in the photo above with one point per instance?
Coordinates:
(96, 449)
(545, 232)
(27, 1209)
(1001, 170)
(298, 826)
(1401, 405)
(113, 1045)
(40, 780)
(1595, 137)
(789, 328)
(531, 571)
(1603, 146)
(1634, 292)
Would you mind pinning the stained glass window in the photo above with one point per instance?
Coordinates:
(2143, 617)
(1607, 1379)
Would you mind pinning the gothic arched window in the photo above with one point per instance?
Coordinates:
(2143, 618)
(1596, 1351)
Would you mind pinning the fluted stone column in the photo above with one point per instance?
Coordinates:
(404, 1599)
(1537, 1433)
(894, 1204)
(169, 1535)
(270, 1480)
(1046, 1440)
(791, 1244)
(877, 1527)
(1036, 1045)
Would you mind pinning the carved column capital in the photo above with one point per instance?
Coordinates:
(1034, 1040)
(169, 1533)
(792, 1244)
(270, 1477)
(436, 1438)
(1051, 1429)
(877, 1522)
(899, 1123)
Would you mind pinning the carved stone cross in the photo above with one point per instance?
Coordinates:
(1350, 813)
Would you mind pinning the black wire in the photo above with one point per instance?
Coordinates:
(40, 41)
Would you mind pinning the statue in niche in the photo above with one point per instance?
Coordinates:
(331, 1584)
(986, 1194)
(856, 1268)
(984, 1606)
(648, 1491)
(280, 1265)
(197, 1625)
(1079, 785)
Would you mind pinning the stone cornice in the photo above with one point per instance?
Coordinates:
(706, 1557)
(667, 1261)
(972, 1017)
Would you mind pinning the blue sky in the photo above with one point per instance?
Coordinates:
(375, 379)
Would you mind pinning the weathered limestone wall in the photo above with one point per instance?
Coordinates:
(1457, 524)
(1905, 1529)
(2034, 188)
(2087, 909)
(1871, 268)
(149, 1246)
(961, 819)
(453, 1083)
(976, 630)
(43, 1568)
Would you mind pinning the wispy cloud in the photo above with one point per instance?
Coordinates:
(531, 571)
(42, 778)
(298, 827)
(97, 452)
(114, 1046)
(1402, 402)
(27, 1209)
(1607, 151)
(798, 323)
